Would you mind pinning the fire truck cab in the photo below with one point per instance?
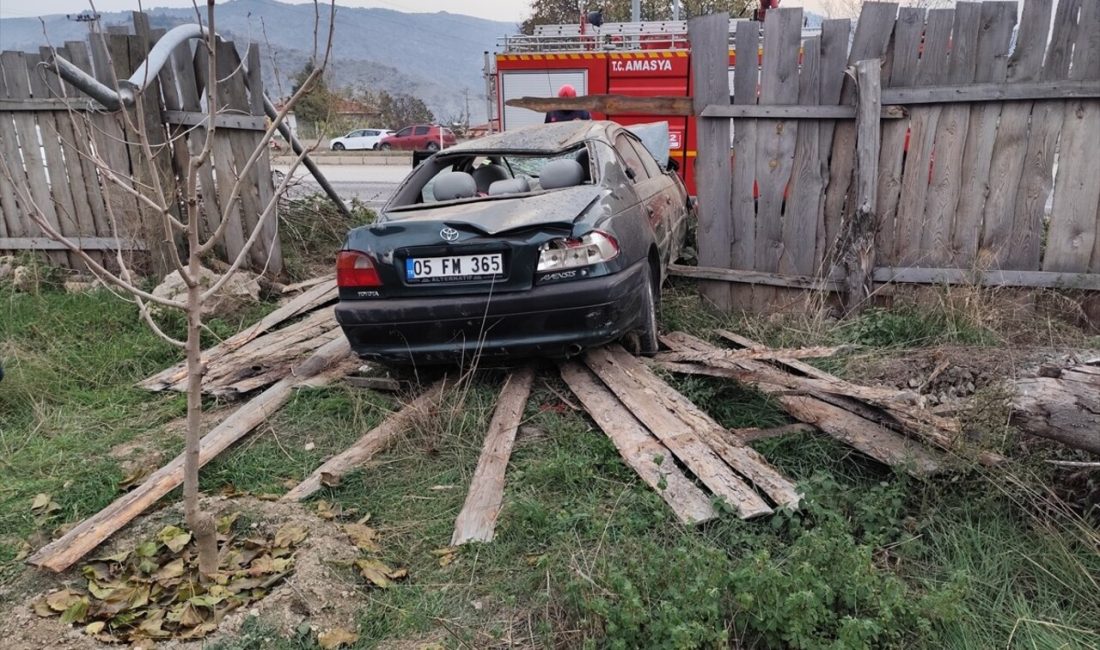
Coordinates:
(637, 59)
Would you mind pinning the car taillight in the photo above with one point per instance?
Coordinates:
(356, 269)
(569, 253)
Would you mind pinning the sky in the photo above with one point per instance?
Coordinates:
(505, 10)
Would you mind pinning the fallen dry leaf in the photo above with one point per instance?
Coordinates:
(289, 535)
(379, 573)
(94, 628)
(337, 637)
(174, 538)
(446, 555)
(44, 503)
(362, 536)
(134, 477)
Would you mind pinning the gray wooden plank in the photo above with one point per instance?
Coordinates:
(85, 243)
(994, 34)
(872, 35)
(950, 140)
(903, 72)
(13, 179)
(222, 158)
(775, 143)
(932, 68)
(17, 85)
(262, 173)
(1037, 175)
(643, 452)
(1072, 235)
(709, 66)
(743, 179)
(58, 141)
(835, 35)
(800, 219)
(83, 131)
(1009, 149)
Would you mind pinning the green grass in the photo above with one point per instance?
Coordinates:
(585, 554)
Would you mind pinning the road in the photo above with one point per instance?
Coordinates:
(371, 184)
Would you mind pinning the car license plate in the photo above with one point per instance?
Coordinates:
(454, 268)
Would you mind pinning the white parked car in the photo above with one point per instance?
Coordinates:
(359, 139)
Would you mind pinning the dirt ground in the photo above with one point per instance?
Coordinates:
(322, 592)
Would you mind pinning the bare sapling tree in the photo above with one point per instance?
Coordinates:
(180, 211)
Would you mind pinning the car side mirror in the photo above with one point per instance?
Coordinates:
(673, 166)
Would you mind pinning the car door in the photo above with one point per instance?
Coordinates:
(403, 138)
(667, 205)
(354, 140)
(421, 136)
(647, 185)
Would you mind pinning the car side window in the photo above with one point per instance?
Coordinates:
(404, 132)
(630, 158)
(420, 130)
(651, 166)
(369, 132)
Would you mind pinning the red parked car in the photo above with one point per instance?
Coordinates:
(419, 137)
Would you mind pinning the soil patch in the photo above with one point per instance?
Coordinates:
(322, 592)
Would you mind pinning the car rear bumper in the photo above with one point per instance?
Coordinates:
(555, 320)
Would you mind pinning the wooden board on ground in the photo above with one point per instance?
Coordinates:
(697, 443)
(75, 544)
(643, 452)
(478, 519)
(871, 438)
(1065, 408)
(370, 443)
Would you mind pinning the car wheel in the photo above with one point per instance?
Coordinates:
(432, 146)
(385, 146)
(339, 146)
(375, 146)
(648, 345)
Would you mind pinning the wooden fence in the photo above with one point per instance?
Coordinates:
(985, 173)
(49, 132)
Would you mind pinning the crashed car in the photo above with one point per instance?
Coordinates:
(537, 242)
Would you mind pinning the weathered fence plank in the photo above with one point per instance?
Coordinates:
(800, 217)
(931, 69)
(775, 143)
(710, 52)
(997, 21)
(835, 36)
(950, 140)
(742, 184)
(1007, 161)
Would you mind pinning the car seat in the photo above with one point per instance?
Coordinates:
(517, 185)
(454, 185)
(565, 172)
(488, 174)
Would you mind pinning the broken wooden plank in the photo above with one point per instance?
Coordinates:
(477, 521)
(680, 439)
(643, 452)
(317, 296)
(745, 460)
(75, 544)
(766, 354)
(752, 434)
(371, 443)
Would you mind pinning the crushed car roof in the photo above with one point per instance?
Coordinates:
(556, 136)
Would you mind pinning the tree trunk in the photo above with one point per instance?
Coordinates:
(201, 523)
(1066, 409)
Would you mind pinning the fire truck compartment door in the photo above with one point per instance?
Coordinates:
(543, 83)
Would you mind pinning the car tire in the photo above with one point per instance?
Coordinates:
(339, 146)
(374, 146)
(648, 343)
(385, 146)
(432, 146)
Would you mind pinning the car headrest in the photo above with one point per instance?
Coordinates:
(517, 185)
(486, 175)
(561, 173)
(454, 185)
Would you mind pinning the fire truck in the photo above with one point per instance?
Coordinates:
(637, 59)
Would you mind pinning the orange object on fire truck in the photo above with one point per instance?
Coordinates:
(646, 59)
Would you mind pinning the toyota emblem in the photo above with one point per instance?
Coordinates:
(448, 233)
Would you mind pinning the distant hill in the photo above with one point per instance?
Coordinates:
(437, 57)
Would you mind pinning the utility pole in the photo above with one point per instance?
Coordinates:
(676, 9)
(488, 74)
(636, 11)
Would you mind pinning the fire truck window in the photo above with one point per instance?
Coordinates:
(651, 166)
(630, 158)
(420, 130)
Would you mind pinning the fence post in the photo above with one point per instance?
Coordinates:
(858, 248)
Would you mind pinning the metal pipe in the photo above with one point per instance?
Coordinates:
(158, 57)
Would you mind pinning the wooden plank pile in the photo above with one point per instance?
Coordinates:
(262, 355)
(1062, 404)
